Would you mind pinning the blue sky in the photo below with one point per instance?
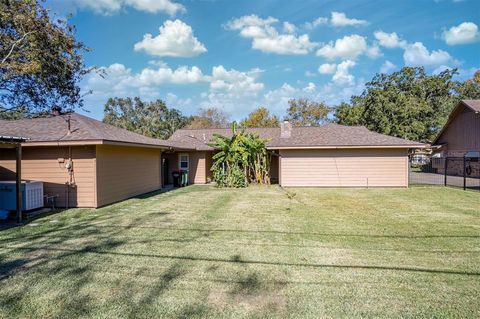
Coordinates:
(238, 55)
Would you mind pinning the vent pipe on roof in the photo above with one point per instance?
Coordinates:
(56, 110)
(285, 129)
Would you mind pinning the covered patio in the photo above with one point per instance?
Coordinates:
(9, 142)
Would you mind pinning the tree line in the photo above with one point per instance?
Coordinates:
(41, 65)
(408, 103)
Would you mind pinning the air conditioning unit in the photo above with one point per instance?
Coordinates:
(32, 195)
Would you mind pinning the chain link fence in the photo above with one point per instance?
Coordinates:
(461, 172)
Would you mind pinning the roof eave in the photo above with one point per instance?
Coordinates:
(406, 146)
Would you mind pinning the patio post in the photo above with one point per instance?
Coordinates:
(18, 184)
(464, 173)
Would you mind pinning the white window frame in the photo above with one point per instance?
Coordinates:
(180, 161)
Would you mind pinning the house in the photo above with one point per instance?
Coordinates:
(87, 163)
(328, 156)
(84, 162)
(461, 137)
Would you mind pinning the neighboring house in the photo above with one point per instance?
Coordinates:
(330, 156)
(459, 137)
(84, 162)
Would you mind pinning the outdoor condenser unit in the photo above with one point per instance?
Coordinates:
(32, 195)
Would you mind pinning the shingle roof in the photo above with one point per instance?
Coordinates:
(329, 135)
(473, 104)
(82, 128)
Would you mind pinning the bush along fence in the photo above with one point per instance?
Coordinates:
(462, 172)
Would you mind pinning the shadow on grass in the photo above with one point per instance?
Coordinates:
(257, 262)
(288, 233)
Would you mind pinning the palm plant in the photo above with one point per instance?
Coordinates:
(240, 159)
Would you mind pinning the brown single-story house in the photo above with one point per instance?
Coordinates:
(86, 163)
(460, 137)
(331, 155)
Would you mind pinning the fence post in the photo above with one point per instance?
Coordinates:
(464, 173)
(445, 172)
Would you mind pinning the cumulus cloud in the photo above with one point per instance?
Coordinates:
(348, 47)
(175, 39)
(339, 19)
(464, 33)
(310, 88)
(327, 68)
(389, 40)
(315, 23)
(289, 27)
(387, 67)
(342, 76)
(112, 6)
(417, 54)
(266, 38)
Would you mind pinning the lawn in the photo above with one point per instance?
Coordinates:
(256, 252)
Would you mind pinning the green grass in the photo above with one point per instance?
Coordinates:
(257, 252)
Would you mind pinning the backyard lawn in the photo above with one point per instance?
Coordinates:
(257, 252)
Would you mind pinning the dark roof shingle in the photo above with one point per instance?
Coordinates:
(329, 135)
(82, 128)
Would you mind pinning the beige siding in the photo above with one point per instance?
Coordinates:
(42, 164)
(462, 134)
(208, 166)
(124, 172)
(198, 166)
(344, 168)
(197, 173)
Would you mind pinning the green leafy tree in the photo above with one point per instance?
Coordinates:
(260, 118)
(408, 104)
(40, 60)
(153, 119)
(305, 112)
(209, 118)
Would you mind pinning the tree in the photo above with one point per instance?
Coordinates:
(260, 118)
(305, 112)
(153, 119)
(408, 103)
(40, 60)
(470, 89)
(209, 118)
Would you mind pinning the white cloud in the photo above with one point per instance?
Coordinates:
(266, 38)
(289, 27)
(327, 68)
(339, 19)
(112, 6)
(310, 88)
(175, 39)
(315, 23)
(348, 47)
(310, 74)
(387, 67)
(389, 40)
(464, 33)
(235, 82)
(417, 54)
(341, 76)
(374, 52)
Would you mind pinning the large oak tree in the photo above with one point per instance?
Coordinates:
(40, 60)
(408, 104)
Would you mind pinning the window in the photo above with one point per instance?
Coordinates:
(183, 161)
